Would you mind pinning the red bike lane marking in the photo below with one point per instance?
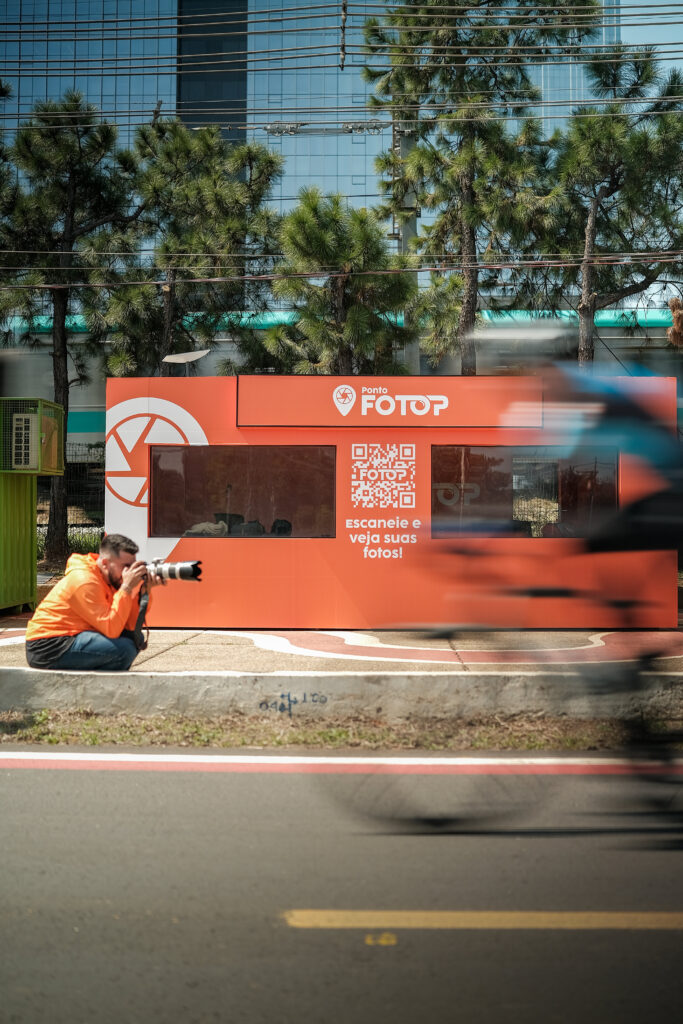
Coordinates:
(602, 647)
(324, 766)
(608, 646)
(11, 636)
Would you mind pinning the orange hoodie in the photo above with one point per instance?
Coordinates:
(82, 601)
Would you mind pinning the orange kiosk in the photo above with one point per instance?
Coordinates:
(319, 502)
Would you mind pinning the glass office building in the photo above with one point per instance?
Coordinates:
(213, 42)
(564, 84)
(120, 54)
(274, 71)
(311, 110)
(316, 113)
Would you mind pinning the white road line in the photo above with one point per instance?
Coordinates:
(32, 755)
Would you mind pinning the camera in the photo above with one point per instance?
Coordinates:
(175, 570)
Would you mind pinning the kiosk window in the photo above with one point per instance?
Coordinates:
(242, 491)
(532, 491)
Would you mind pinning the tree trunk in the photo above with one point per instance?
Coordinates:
(345, 352)
(468, 310)
(588, 301)
(345, 363)
(168, 291)
(57, 540)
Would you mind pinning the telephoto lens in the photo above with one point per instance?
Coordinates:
(176, 570)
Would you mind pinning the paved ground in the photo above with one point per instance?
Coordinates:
(319, 674)
(176, 893)
(266, 651)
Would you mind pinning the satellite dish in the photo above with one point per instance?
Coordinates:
(186, 357)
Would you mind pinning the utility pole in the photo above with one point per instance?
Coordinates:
(403, 141)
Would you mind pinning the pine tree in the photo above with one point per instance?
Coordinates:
(451, 76)
(8, 196)
(346, 289)
(620, 170)
(72, 184)
(202, 236)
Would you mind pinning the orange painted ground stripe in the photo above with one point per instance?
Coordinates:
(246, 763)
(330, 765)
(486, 920)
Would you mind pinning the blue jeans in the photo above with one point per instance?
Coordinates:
(98, 652)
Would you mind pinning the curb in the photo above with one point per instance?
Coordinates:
(317, 695)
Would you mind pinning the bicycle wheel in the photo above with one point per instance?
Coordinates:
(439, 794)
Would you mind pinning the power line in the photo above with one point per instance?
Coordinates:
(600, 16)
(462, 9)
(296, 12)
(618, 101)
(370, 97)
(240, 56)
(574, 61)
(293, 14)
(615, 254)
(123, 32)
(193, 65)
(336, 127)
(389, 48)
(372, 106)
(664, 256)
(539, 105)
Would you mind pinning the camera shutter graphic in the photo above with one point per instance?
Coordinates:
(133, 426)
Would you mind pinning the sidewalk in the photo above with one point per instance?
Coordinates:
(395, 674)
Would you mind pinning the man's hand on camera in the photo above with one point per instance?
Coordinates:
(132, 576)
(153, 580)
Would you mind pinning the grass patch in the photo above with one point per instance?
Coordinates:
(234, 731)
(82, 540)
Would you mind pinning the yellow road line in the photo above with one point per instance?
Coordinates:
(486, 920)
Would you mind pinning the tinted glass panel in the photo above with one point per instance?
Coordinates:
(534, 492)
(242, 491)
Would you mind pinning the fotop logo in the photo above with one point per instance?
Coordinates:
(379, 400)
(344, 397)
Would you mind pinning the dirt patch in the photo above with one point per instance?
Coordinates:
(517, 732)
(52, 567)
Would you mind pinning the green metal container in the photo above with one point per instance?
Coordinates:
(31, 437)
(31, 445)
(17, 539)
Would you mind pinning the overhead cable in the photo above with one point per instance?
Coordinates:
(454, 264)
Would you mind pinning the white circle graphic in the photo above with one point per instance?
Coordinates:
(131, 427)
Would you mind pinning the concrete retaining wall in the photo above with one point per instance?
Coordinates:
(316, 695)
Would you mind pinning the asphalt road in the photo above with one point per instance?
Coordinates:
(180, 896)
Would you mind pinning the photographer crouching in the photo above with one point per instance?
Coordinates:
(92, 619)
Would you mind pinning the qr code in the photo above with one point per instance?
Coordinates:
(383, 475)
